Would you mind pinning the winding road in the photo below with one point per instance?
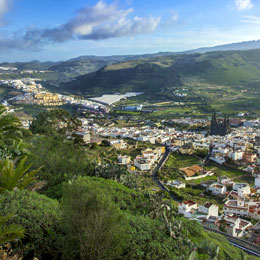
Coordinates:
(155, 175)
(242, 244)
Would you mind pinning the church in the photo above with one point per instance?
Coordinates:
(221, 127)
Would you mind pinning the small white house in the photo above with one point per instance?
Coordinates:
(143, 164)
(176, 184)
(187, 208)
(237, 185)
(244, 191)
(217, 188)
(124, 160)
(85, 136)
(210, 209)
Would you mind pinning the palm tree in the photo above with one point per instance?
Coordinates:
(15, 176)
(10, 126)
(11, 232)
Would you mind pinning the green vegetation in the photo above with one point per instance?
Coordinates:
(194, 190)
(230, 76)
(81, 205)
(56, 121)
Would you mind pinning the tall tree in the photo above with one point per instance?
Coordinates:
(10, 128)
(94, 224)
(55, 122)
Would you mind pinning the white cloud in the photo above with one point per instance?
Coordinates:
(99, 22)
(175, 17)
(4, 6)
(251, 19)
(243, 5)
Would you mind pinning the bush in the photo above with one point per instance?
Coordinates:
(40, 217)
(95, 226)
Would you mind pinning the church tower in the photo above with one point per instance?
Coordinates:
(214, 124)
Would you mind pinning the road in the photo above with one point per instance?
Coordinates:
(233, 241)
(155, 176)
(246, 246)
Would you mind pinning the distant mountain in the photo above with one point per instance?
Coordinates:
(31, 65)
(248, 45)
(66, 70)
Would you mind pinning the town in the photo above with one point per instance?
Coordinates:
(229, 142)
(238, 210)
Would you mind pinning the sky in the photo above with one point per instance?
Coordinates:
(62, 29)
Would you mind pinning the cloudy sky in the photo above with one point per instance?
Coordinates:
(62, 29)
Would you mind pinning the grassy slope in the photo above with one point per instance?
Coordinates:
(224, 75)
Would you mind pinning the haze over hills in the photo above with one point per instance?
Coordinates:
(91, 63)
(246, 45)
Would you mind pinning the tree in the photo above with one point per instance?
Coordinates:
(55, 122)
(62, 160)
(10, 128)
(15, 176)
(95, 227)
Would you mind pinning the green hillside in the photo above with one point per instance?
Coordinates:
(228, 75)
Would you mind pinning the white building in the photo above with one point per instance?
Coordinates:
(176, 184)
(237, 185)
(236, 155)
(143, 164)
(217, 188)
(238, 207)
(236, 226)
(187, 208)
(243, 191)
(210, 209)
(124, 160)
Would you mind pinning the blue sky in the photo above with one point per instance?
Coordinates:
(62, 29)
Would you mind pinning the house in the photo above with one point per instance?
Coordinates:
(118, 144)
(124, 160)
(237, 185)
(218, 159)
(225, 180)
(233, 194)
(249, 157)
(217, 188)
(244, 191)
(237, 207)
(210, 209)
(236, 226)
(177, 184)
(150, 154)
(187, 208)
(236, 155)
(143, 164)
(255, 234)
(85, 136)
(254, 210)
